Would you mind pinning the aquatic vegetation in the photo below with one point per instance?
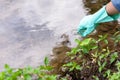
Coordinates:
(72, 66)
(28, 73)
(91, 59)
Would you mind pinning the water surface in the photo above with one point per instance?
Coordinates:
(29, 29)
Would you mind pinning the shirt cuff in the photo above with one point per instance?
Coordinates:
(116, 4)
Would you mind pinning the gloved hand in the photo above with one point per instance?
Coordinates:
(90, 22)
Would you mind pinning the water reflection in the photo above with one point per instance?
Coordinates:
(30, 28)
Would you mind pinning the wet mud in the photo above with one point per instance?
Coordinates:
(108, 28)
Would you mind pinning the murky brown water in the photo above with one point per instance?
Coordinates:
(29, 29)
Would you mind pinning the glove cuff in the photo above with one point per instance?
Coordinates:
(102, 16)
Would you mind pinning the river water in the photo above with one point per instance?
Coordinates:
(29, 29)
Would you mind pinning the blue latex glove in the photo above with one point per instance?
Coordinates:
(89, 23)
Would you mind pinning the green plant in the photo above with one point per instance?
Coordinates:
(46, 65)
(63, 79)
(73, 52)
(86, 45)
(101, 65)
(95, 57)
(82, 60)
(102, 38)
(115, 76)
(118, 65)
(116, 37)
(107, 73)
(95, 77)
(72, 66)
(27, 73)
(113, 57)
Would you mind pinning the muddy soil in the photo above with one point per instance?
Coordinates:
(105, 28)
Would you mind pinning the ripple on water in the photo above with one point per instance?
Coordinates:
(29, 29)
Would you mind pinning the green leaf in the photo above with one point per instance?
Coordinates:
(71, 69)
(85, 42)
(101, 66)
(8, 69)
(77, 41)
(113, 57)
(107, 73)
(50, 77)
(2, 75)
(78, 67)
(94, 47)
(46, 61)
(63, 79)
(118, 65)
(28, 77)
(106, 41)
(95, 77)
(68, 64)
(42, 67)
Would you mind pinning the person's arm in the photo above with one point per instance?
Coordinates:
(107, 13)
(111, 9)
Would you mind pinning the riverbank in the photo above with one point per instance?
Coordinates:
(96, 57)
